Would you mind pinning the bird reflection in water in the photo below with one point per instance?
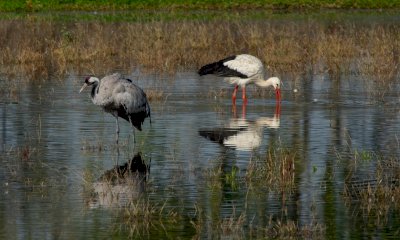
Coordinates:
(121, 184)
(240, 133)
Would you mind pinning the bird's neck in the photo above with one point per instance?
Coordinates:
(264, 83)
(95, 89)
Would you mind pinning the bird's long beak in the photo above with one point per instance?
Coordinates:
(278, 94)
(83, 87)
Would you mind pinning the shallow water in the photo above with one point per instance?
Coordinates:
(53, 138)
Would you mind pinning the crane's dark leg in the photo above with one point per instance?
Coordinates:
(117, 130)
(117, 160)
(133, 130)
(134, 137)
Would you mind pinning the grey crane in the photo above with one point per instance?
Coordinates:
(120, 97)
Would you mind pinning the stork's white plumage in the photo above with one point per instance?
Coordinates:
(121, 98)
(242, 70)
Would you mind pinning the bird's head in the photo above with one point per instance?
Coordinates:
(90, 80)
(276, 83)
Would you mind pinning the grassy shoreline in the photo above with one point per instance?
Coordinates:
(41, 48)
(103, 5)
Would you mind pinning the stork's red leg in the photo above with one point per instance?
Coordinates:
(244, 95)
(278, 108)
(234, 110)
(244, 110)
(234, 94)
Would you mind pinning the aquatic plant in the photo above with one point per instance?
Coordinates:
(276, 169)
(239, 226)
(292, 230)
(143, 216)
(230, 178)
(232, 227)
(375, 192)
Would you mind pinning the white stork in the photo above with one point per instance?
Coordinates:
(241, 70)
(121, 98)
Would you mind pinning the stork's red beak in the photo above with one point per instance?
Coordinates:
(278, 94)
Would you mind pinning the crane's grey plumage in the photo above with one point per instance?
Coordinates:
(121, 98)
(241, 70)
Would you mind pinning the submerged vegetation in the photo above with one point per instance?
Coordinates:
(377, 191)
(276, 170)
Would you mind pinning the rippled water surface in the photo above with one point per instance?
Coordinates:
(56, 144)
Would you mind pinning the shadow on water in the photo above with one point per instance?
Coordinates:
(120, 185)
(240, 133)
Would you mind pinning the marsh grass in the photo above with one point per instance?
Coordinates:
(40, 49)
(275, 169)
(292, 230)
(233, 227)
(9, 92)
(239, 226)
(377, 192)
(230, 227)
(156, 95)
(142, 216)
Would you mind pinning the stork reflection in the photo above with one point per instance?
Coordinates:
(121, 184)
(244, 107)
(241, 133)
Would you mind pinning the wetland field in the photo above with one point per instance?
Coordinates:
(322, 164)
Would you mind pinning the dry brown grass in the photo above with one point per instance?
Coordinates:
(45, 48)
(156, 95)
